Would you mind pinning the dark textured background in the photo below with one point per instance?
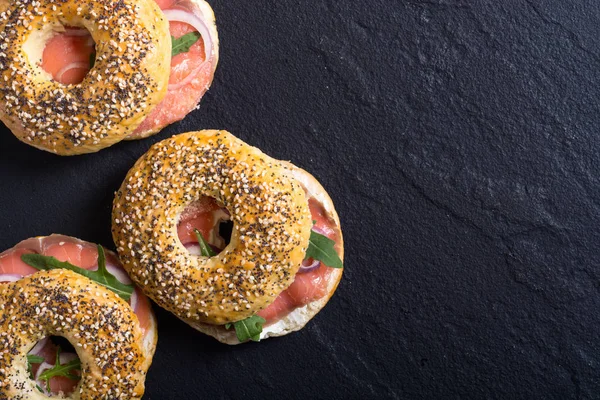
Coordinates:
(460, 142)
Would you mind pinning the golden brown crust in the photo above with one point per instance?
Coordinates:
(208, 15)
(40, 244)
(298, 318)
(101, 326)
(271, 227)
(129, 79)
(150, 339)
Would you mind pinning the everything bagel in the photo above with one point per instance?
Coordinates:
(129, 78)
(84, 255)
(192, 72)
(101, 326)
(272, 223)
(293, 316)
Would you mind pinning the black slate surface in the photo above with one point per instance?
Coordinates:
(459, 140)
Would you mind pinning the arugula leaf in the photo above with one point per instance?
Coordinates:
(31, 359)
(248, 329)
(101, 276)
(61, 370)
(321, 248)
(205, 248)
(184, 43)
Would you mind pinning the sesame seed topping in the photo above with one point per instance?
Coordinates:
(124, 85)
(103, 329)
(270, 235)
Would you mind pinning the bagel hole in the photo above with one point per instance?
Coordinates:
(225, 231)
(69, 55)
(211, 219)
(59, 386)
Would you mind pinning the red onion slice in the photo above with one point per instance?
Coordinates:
(197, 22)
(74, 65)
(319, 230)
(43, 367)
(67, 358)
(122, 277)
(200, 25)
(133, 301)
(119, 273)
(10, 278)
(194, 249)
(38, 347)
(308, 266)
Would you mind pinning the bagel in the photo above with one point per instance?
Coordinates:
(268, 243)
(185, 92)
(129, 78)
(83, 255)
(298, 318)
(155, 198)
(66, 57)
(101, 326)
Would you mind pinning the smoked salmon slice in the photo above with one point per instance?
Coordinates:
(69, 56)
(307, 286)
(206, 216)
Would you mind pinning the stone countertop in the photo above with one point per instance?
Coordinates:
(459, 140)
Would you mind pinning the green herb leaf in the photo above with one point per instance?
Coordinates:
(248, 329)
(184, 43)
(92, 59)
(31, 359)
(101, 276)
(322, 248)
(205, 248)
(61, 370)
